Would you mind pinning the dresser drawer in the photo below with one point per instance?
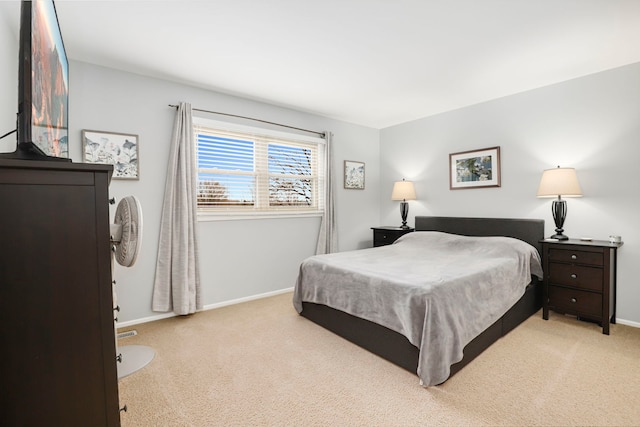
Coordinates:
(577, 276)
(574, 301)
(574, 256)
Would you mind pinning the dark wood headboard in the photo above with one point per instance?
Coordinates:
(528, 230)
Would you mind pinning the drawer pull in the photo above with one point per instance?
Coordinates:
(574, 300)
(573, 276)
(119, 358)
(574, 256)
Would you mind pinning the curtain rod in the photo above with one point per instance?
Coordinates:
(321, 134)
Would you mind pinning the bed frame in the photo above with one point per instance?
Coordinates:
(396, 348)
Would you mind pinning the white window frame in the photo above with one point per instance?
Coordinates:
(259, 211)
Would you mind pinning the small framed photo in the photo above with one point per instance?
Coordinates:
(474, 169)
(353, 175)
(112, 148)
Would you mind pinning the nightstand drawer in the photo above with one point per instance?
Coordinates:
(579, 257)
(387, 235)
(384, 237)
(577, 276)
(574, 301)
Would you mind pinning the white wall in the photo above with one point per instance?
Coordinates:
(591, 123)
(8, 76)
(110, 100)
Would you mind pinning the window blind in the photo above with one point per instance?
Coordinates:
(251, 173)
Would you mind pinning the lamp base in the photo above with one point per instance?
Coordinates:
(404, 211)
(559, 210)
(559, 236)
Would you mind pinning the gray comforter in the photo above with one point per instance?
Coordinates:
(439, 290)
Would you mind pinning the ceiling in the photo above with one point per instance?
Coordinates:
(371, 62)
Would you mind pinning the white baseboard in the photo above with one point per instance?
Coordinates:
(628, 323)
(205, 308)
(128, 323)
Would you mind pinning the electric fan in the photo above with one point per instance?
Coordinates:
(126, 237)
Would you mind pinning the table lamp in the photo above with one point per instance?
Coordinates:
(403, 190)
(556, 183)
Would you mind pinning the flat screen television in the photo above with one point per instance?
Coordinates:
(43, 85)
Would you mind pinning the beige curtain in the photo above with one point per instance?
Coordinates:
(328, 236)
(177, 280)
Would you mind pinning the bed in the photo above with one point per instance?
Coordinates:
(433, 328)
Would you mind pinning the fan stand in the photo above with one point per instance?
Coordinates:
(131, 358)
(134, 358)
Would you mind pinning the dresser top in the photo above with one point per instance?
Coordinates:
(53, 165)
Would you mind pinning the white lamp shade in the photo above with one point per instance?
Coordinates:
(559, 182)
(403, 190)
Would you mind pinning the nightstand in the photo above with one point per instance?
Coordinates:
(387, 235)
(580, 279)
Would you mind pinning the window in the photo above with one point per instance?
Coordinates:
(246, 173)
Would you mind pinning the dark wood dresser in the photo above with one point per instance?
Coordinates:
(58, 361)
(387, 235)
(580, 279)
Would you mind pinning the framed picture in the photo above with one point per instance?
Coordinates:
(353, 175)
(112, 148)
(474, 169)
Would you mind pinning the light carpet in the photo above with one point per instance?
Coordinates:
(261, 364)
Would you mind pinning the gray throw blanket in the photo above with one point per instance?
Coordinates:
(439, 290)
